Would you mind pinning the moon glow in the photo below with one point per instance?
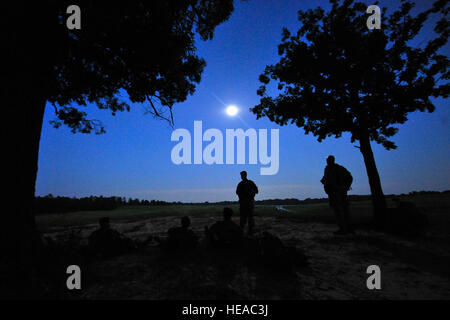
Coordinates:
(232, 110)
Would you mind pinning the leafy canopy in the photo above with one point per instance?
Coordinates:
(146, 48)
(335, 75)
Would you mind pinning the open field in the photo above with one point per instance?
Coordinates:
(411, 268)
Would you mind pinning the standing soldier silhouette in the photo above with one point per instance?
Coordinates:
(246, 191)
(337, 181)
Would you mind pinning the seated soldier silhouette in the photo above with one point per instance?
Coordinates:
(225, 233)
(180, 238)
(108, 242)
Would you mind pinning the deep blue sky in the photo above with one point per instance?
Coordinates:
(133, 158)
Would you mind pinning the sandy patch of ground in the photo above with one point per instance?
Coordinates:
(409, 269)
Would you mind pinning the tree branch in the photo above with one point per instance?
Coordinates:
(157, 114)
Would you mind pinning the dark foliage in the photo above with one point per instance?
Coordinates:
(51, 204)
(145, 49)
(336, 75)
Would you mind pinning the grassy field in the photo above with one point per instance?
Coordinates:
(437, 206)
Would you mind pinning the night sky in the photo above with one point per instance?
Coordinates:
(133, 158)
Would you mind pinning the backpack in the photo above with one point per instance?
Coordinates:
(346, 177)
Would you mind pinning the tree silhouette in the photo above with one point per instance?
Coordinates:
(335, 76)
(145, 49)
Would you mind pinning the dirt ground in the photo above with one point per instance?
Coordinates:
(410, 268)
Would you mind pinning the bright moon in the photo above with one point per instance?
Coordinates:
(232, 111)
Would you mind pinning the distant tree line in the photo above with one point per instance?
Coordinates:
(51, 204)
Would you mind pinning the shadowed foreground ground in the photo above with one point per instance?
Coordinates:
(411, 268)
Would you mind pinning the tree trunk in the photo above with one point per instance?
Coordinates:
(19, 236)
(23, 102)
(378, 199)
